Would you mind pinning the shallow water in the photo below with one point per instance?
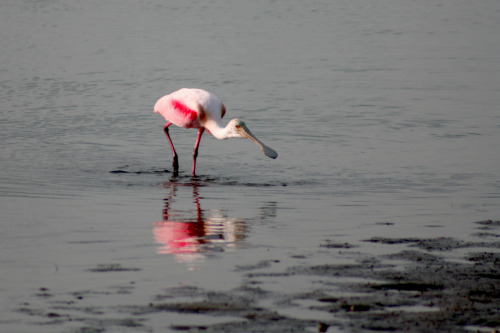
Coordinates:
(385, 117)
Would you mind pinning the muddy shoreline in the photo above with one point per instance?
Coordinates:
(414, 290)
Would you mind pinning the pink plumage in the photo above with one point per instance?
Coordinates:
(190, 108)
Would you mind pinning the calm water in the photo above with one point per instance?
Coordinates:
(383, 113)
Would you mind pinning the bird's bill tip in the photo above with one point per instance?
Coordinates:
(270, 152)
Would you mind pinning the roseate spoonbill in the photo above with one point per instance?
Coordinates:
(196, 108)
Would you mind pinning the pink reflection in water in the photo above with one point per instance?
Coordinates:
(190, 239)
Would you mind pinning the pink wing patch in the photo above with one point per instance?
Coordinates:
(184, 116)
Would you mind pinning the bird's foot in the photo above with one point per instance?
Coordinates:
(175, 165)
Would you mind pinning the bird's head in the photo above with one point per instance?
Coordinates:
(238, 128)
(235, 128)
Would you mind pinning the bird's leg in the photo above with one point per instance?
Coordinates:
(195, 150)
(175, 164)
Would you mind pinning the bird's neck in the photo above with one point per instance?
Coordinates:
(218, 130)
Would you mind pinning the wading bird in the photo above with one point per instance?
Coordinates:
(196, 108)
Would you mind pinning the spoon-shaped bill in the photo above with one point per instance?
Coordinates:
(269, 151)
(245, 133)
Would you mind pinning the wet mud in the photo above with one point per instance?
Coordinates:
(418, 288)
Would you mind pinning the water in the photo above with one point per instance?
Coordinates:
(384, 114)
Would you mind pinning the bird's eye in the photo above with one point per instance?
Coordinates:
(237, 126)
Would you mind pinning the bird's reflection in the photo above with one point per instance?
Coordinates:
(190, 235)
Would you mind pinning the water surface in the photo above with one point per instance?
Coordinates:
(384, 114)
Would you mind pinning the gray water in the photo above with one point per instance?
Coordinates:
(385, 115)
